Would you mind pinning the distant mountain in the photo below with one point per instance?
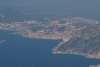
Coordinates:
(12, 15)
(87, 44)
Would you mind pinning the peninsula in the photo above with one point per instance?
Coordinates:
(71, 30)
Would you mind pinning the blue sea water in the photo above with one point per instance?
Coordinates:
(18, 51)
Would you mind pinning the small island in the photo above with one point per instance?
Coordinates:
(1, 41)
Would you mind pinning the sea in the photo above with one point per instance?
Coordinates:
(19, 51)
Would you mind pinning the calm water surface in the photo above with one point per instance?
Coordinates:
(18, 51)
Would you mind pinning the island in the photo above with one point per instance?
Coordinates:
(1, 41)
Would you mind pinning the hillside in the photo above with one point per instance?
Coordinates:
(87, 44)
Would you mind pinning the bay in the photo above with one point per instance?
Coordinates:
(18, 51)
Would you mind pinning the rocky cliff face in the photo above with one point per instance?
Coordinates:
(86, 44)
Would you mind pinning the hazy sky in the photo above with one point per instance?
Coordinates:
(49, 2)
(81, 7)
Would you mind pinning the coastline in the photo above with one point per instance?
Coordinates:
(55, 49)
(72, 51)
